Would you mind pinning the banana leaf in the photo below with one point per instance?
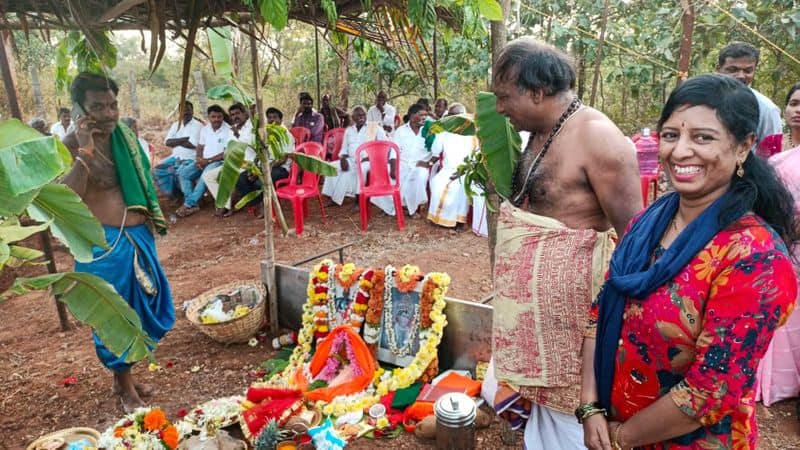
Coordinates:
(500, 143)
(231, 166)
(12, 231)
(315, 165)
(72, 222)
(229, 93)
(28, 160)
(250, 196)
(462, 124)
(5, 253)
(22, 255)
(219, 39)
(93, 301)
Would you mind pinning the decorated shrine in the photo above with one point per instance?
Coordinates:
(365, 364)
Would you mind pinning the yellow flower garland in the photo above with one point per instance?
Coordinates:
(429, 338)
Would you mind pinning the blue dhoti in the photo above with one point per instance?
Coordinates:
(155, 310)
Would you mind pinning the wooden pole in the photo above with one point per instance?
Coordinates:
(9, 80)
(134, 96)
(269, 243)
(599, 57)
(61, 308)
(316, 56)
(201, 88)
(435, 68)
(685, 56)
(36, 86)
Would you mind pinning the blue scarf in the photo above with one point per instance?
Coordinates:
(632, 276)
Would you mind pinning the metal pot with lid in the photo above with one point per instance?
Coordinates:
(455, 421)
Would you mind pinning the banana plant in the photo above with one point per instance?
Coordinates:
(268, 147)
(30, 165)
(492, 167)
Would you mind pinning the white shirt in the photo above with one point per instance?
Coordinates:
(192, 130)
(288, 148)
(412, 145)
(769, 117)
(246, 137)
(58, 130)
(215, 141)
(145, 148)
(354, 137)
(386, 118)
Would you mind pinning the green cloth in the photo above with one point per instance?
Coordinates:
(133, 172)
(403, 398)
(425, 133)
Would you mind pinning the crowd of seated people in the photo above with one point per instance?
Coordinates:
(429, 185)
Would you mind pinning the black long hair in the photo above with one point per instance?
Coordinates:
(736, 107)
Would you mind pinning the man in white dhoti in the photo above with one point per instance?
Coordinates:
(345, 184)
(414, 164)
(449, 203)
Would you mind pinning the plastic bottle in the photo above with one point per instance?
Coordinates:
(647, 153)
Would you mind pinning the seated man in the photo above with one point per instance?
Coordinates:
(248, 182)
(242, 130)
(345, 184)
(414, 164)
(182, 138)
(449, 203)
(64, 124)
(382, 113)
(214, 137)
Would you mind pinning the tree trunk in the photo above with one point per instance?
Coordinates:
(8, 72)
(599, 57)
(581, 49)
(499, 36)
(344, 74)
(201, 92)
(269, 243)
(134, 96)
(36, 86)
(685, 56)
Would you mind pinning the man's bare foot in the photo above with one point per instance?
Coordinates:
(130, 401)
(142, 389)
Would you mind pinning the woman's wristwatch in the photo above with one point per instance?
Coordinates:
(587, 410)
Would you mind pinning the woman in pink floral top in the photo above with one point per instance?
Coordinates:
(695, 289)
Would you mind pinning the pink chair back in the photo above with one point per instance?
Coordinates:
(300, 134)
(378, 154)
(310, 180)
(332, 142)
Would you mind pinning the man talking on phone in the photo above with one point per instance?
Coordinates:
(112, 175)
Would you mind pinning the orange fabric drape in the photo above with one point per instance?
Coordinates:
(363, 358)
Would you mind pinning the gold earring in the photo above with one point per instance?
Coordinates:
(739, 170)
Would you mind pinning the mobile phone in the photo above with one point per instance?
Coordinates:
(77, 111)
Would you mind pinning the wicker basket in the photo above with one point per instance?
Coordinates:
(68, 435)
(237, 330)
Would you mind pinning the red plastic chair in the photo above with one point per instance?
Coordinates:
(299, 193)
(300, 134)
(332, 143)
(380, 183)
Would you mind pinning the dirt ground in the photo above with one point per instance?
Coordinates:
(201, 252)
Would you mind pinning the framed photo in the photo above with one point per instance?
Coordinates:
(399, 338)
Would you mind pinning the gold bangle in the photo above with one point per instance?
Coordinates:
(85, 165)
(615, 441)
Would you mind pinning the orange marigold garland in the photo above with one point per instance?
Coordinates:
(372, 325)
(319, 293)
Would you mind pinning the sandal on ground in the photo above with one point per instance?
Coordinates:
(222, 213)
(185, 211)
